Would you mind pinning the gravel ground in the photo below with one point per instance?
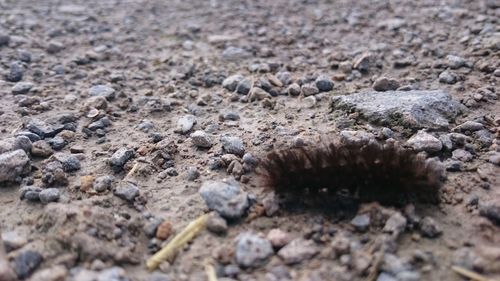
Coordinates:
(122, 121)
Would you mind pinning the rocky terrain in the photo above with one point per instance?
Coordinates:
(123, 121)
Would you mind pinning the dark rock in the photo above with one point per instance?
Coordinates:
(26, 262)
(69, 162)
(324, 83)
(16, 72)
(491, 210)
(120, 157)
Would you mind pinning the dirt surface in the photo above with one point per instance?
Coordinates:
(103, 88)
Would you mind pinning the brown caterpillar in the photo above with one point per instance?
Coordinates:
(389, 173)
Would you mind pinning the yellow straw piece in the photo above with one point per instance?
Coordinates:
(187, 234)
(210, 270)
(469, 274)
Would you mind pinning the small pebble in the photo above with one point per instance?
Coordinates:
(49, 195)
(126, 191)
(430, 228)
(217, 224)
(278, 238)
(252, 250)
(164, 230)
(324, 83)
(201, 139)
(297, 251)
(361, 222)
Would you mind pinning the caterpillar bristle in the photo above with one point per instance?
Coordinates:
(389, 173)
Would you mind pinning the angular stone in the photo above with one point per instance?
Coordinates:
(414, 109)
(252, 250)
(13, 164)
(226, 198)
(423, 141)
(297, 251)
(126, 191)
(22, 88)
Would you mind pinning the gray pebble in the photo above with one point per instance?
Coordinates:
(231, 82)
(18, 142)
(201, 139)
(235, 54)
(385, 84)
(423, 141)
(244, 86)
(31, 136)
(232, 145)
(491, 210)
(469, 126)
(453, 165)
(13, 164)
(22, 88)
(430, 228)
(127, 191)
(54, 47)
(324, 83)
(103, 183)
(13, 240)
(226, 198)
(30, 193)
(494, 158)
(69, 162)
(43, 129)
(49, 195)
(361, 222)
(297, 251)
(26, 262)
(408, 276)
(293, 89)
(461, 155)
(386, 277)
(120, 157)
(57, 142)
(192, 173)
(396, 224)
(185, 124)
(217, 224)
(4, 40)
(309, 90)
(252, 250)
(24, 56)
(447, 77)
(455, 62)
(102, 91)
(16, 72)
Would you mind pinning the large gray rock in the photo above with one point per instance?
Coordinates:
(415, 109)
(226, 198)
(13, 164)
(11, 144)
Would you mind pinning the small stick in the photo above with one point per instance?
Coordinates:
(469, 274)
(181, 239)
(210, 271)
(132, 171)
